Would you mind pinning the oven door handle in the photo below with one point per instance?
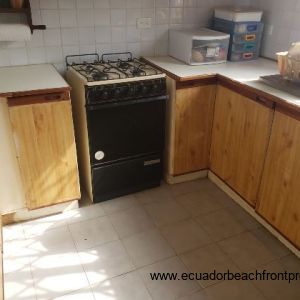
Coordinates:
(125, 103)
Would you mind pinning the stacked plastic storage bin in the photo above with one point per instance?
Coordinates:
(245, 29)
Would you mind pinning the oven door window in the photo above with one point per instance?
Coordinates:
(125, 130)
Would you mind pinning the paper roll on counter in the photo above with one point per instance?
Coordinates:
(14, 33)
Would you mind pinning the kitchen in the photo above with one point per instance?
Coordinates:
(112, 170)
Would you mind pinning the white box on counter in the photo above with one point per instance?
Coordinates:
(200, 46)
(238, 14)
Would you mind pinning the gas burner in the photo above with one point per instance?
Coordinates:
(100, 76)
(104, 70)
(138, 72)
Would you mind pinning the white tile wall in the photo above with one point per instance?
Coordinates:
(284, 16)
(81, 26)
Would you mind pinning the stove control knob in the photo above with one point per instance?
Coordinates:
(105, 94)
(99, 155)
(117, 93)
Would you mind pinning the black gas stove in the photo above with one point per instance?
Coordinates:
(124, 105)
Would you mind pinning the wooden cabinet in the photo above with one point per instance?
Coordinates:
(191, 115)
(279, 195)
(241, 132)
(44, 139)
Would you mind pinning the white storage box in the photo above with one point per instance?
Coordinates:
(238, 14)
(196, 47)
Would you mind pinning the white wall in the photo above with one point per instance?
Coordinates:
(284, 17)
(83, 26)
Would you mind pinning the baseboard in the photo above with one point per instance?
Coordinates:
(26, 215)
(235, 197)
(185, 177)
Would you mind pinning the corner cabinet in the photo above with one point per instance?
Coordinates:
(279, 195)
(241, 132)
(43, 132)
(190, 116)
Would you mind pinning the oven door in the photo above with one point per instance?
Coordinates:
(126, 129)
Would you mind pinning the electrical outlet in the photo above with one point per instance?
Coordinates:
(144, 23)
(268, 29)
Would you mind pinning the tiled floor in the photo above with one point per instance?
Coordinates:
(106, 251)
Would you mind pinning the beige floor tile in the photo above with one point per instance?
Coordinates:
(159, 194)
(106, 261)
(244, 217)
(168, 289)
(91, 233)
(279, 289)
(274, 245)
(131, 221)
(201, 295)
(198, 203)
(125, 287)
(55, 241)
(220, 224)
(223, 199)
(234, 290)
(166, 212)
(82, 294)
(187, 187)
(185, 236)
(17, 255)
(147, 247)
(84, 213)
(206, 260)
(13, 232)
(19, 285)
(57, 274)
(246, 251)
(42, 225)
(119, 204)
(291, 263)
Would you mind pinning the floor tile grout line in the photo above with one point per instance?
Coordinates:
(79, 258)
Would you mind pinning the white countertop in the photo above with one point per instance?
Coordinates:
(22, 79)
(244, 72)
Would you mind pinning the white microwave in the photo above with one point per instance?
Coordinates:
(197, 47)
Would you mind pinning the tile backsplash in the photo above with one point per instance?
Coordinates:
(85, 26)
(282, 24)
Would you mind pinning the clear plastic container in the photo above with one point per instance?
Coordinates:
(196, 47)
(209, 51)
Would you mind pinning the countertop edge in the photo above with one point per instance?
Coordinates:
(293, 109)
(34, 92)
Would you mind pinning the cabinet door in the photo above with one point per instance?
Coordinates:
(241, 132)
(279, 194)
(193, 122)
(46, 152)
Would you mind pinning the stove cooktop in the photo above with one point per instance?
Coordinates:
(105, 70)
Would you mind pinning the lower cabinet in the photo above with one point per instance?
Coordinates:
(189, 135)
(45, 145)
(241, 132)
(279, 195)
